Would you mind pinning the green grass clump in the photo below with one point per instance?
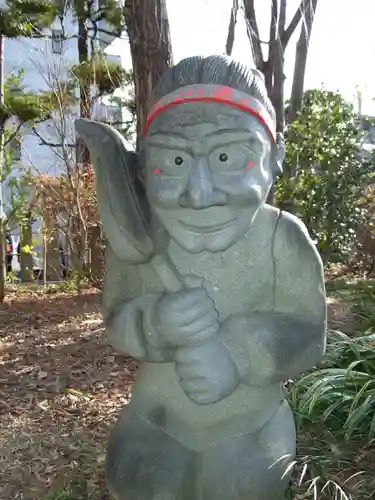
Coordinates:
(334, 407)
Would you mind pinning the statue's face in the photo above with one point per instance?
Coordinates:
(208, 171)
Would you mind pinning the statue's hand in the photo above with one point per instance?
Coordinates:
(186, 317)
(207, 372)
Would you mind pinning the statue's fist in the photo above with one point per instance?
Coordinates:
(206, 372)
(186, 317)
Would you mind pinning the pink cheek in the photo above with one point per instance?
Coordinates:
(157, 171)
(251, 164)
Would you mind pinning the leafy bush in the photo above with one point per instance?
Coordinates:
(325, 173)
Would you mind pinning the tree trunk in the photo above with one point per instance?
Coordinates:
(26, 258)
(85, 87)
(83, 57)
(2, 159)
(150, 46)
(2, 261)
(300, 62)
(232, 28)
(97, 258)
(79, 255)
(274, 71)
(51, 256)
(279, 37)
(52, 261)
(273, 68)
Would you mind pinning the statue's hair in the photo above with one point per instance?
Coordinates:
(216, 70)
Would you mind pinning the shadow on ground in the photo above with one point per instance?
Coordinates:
(60, 391)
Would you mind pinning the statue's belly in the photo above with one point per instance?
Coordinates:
(239, 280)
(158, 397)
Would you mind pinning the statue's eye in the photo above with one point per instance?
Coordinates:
(223, 157)
(178, 160)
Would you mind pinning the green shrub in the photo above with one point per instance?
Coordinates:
(325, 174)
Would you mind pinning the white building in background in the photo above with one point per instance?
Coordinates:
(44, 62)
(368, 127)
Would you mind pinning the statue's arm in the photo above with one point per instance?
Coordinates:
(272, 346)
(130, 295)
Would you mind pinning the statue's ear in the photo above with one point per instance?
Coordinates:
(278, 155)
(122, 201)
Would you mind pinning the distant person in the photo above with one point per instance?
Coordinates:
(9, 253)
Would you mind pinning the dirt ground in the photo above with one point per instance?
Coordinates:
(60, 391)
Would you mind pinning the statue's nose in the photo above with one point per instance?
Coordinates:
(200, 192)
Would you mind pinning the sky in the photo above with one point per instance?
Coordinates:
(342, 49)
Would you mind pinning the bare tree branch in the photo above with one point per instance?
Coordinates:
(294, 22)
(253, 33)
(273, 23)
(274, 67)
(13, 134)
(278, 69)
(53, 145)
(282, 20)
(300, 61)
(268, 66)
(231, 28)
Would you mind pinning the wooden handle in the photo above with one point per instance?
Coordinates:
(168, 273)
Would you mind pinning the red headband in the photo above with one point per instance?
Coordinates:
(214, 93)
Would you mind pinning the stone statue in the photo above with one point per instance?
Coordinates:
(219, 295)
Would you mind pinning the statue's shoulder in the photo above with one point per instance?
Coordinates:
(292, 241)
(292, 229)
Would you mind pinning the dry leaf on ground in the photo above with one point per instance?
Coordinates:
(60, 391)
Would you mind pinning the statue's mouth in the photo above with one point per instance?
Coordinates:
(212, 228)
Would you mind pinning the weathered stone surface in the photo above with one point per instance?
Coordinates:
(227, 303)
